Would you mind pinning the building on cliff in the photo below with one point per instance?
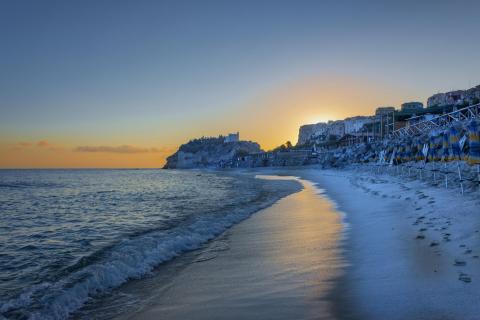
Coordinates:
(210, 152)
(384, 111)
(412, 107)
(455, 98)
(232, 137)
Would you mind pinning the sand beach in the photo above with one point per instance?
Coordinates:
(349, 245)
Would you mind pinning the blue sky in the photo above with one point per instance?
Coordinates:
(146, 71)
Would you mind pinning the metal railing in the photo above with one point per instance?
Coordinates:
(438, 122)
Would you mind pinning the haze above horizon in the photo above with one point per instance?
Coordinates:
(123, 83)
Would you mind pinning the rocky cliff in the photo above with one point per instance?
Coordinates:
(306, 132)
(209, 152)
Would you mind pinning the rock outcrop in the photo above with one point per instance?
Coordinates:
(209, 152)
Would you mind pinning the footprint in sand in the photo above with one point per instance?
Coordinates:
(464, 277)
(459, 263)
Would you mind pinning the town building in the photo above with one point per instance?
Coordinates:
(383, 111)
(412, 107)
(455, 98)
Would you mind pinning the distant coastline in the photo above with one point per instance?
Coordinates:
(446, 130)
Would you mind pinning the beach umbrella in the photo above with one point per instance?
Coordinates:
(445, 145)
(438, 147)
(454, 138)
(432, 148)
(419, 146)
(399, 155)
(408, 151)
(474, 143)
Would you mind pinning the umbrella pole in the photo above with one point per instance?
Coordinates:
(460, 177)
(433, 165)
(478, 174)
(446, 176)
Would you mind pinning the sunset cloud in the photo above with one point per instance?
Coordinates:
(24, 144)
(43, 144)
(126, 149)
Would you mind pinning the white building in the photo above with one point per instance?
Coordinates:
(232, 137)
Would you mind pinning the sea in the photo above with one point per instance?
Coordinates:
(70, 238)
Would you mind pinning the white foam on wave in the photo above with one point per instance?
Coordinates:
(135, 257)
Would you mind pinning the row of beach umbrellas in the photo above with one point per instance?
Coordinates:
(454, 143)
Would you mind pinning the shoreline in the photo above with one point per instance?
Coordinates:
(278, 264)
(408, 250)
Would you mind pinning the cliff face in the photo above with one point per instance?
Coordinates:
(209, 152)
(307, 131)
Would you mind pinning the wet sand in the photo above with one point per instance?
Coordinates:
(281, 263)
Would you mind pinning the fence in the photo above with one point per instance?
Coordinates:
(438, 122)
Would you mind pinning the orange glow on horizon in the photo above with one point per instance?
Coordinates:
(270, 119)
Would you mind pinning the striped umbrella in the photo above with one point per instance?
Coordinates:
(454, 137)
(408, 151)
(445, 142)
(432, 148)
(474, 142)
(419, 147)
(438, 147)
(399, 155)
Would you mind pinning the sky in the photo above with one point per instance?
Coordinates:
(123, 83)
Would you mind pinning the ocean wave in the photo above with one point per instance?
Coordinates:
(24, 184)
(131, 258)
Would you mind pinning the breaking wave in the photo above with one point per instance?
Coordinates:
(130, 258)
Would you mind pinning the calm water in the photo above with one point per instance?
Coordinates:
(67, 236)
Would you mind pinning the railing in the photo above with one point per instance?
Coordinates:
(438, 122)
